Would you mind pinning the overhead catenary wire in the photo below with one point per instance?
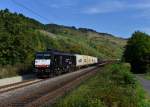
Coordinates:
(29, 9)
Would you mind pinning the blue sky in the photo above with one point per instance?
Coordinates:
(118, 17)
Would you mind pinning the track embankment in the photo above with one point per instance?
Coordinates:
(44, 92)
(16, 79)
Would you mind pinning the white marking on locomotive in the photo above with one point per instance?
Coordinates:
(42, 62)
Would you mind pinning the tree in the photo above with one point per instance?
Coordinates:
(16, 38)
(137, 52)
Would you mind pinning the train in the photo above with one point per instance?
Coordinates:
(53, 62)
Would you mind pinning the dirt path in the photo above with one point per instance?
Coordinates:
(144, 82)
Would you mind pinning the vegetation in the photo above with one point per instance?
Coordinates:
(137, 52)
(88, 41)
(18, 42)
(21, 37)
(147, 75)
(116, 87)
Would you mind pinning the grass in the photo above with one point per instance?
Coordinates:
(147, 75)
(113, 86)
(8, 71)
(18, 69)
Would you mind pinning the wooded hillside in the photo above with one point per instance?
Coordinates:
(21, 37)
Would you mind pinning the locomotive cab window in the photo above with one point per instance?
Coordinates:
(46, 56)
(39, 56)
(42, 56)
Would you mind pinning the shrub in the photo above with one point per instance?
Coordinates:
(18, 69)
(113, 86)
(137, 52)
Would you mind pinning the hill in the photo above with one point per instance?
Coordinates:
(21, 37)
(88, 41)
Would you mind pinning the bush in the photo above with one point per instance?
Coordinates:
(18, 69)
(137, 52)
(113, 86)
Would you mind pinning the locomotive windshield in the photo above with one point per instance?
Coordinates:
(42, 56)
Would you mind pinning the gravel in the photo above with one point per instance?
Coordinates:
(25, 95)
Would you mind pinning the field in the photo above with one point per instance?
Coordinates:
(113, 86)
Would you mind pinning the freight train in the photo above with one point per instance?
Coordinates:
(52, 62)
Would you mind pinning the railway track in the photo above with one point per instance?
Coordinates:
(33, 94)
(50, 98)
(14, 86)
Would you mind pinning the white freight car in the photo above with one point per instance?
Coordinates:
(79, 60)
(84, 60)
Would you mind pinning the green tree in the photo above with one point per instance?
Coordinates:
(16, 38)
(137, 52)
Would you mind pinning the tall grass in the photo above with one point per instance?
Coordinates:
(18, 69)
(113, 86)
(147, 75)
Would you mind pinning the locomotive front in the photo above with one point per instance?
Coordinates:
(42, 63)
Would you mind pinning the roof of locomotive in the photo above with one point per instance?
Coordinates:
(55, 53)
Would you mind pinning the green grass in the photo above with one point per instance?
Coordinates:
(113, 86)
(147, 75)
(15, 70)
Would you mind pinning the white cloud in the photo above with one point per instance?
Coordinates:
(62, 4)
(105, 7)
(116, 6)
(141, 6)
(54, 6)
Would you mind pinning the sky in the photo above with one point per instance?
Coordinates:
(118, 17)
